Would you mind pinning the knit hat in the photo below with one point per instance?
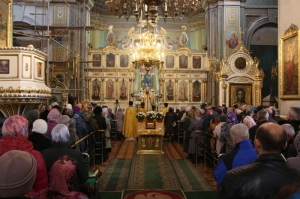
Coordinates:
(15, 125)
(40, 126)
(76, 109)
(60, 134)
(64, 119)
(18, 171)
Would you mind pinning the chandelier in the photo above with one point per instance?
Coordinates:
(148, 51)
(148, 9)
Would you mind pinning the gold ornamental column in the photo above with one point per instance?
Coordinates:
(256, 88)
(117, 88)
(203, 91)
(162, 87)
(102, 89)
(224, 87)
(131, 85)
(190, 89)
(176, 90)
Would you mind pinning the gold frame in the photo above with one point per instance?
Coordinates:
(291, 35)
(150, 125)
(232, 93)
(7, 11)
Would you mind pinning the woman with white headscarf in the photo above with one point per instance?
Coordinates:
(107, 130)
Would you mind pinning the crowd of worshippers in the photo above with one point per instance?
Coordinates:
(36, 156)
(258, 153)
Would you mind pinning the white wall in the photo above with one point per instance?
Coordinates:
(288, 13)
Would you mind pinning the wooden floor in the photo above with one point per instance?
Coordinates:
(125, 149)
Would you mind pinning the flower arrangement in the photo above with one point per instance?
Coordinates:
(140, 115)
(160, 115)
(203, 105)
(94, 104)
(150, 115)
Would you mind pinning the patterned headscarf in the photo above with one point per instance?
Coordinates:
(15, 126)
(231, 117)
(60, 133)
(53, 115)
(62, 178)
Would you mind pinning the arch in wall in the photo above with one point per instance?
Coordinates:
(253, 27)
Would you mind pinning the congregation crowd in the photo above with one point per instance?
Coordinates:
(263, 160)
(36, 155)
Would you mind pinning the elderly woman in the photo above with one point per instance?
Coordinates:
(52, 118)
(15, 134)
(60, 138)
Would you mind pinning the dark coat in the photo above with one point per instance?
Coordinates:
(263, 178)
(39, 141)
(101, 125)
(252, 130)
(170, 118)
(59, 149)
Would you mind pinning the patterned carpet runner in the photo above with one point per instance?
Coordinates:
(152, 172)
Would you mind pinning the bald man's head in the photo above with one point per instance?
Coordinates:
(272, 137)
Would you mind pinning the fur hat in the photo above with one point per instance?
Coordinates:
(40, 126)
(18, 171)
(64, 119)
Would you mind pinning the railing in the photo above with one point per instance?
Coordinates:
(210, 154)
(91, 145)
(180, 132)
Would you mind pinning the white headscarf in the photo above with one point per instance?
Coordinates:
(104, 112)
(60, 133)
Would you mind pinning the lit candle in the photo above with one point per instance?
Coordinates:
(166, 6)
(145, 8)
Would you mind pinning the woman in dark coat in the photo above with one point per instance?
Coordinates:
(170, 118)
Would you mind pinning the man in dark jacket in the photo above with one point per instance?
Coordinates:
(262, 117)
(267, 173)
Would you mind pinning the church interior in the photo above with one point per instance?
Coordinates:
(184, 53)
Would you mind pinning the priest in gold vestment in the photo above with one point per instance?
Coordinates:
(130, 122)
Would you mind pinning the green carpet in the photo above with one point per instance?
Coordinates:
(130, 194)
(201, 194)
(190, 178)
(115, 176)
(152, 172)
